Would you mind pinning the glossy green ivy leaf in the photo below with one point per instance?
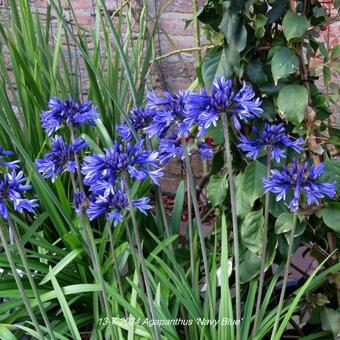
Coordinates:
(331, 216)
(332, 172)
(249, 266)
(284, 223)
(294, 25)
(292, 102)
(242, 200)
(233, 30)
(255, 72)
(283, 63)
(252, 181)
(217, 189)
(220, 62)
(252, 231)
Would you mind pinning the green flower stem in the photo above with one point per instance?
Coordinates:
(76, 158)
(285, 277)
(191, 242)
(29, 276)
(161, 205)
(264, 248)
(190, 178)
(234, 223)
(19, 283)
(164, 218)
(142, 262)
(135, 261)
(115, 264)
(96, 266)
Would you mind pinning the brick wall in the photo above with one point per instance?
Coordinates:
(177, 70)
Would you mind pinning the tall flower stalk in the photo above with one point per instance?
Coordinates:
(206, 110)
(234, 223)
(263, 248)
(274, 140)
(191, 235)
(190, 178)
(156, 328)
(12, 193)
(303, 181)
(285, 277)
(64, 157)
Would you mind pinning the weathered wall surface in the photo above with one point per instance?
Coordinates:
(176, 71)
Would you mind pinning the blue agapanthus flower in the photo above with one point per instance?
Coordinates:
(12, 190)
(114, 204)
(67, 112)
(61, 158)
(299, 179)
(171, 147)
(80, 202)
(103, 170)
(6, 153)
(273, 139)
(139, 118)
(167, 111)
(205, 109)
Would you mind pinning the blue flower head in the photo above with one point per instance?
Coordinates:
(139, 118)
(171, 147)
(5, 153)
(205, 109)
(114, 204)
(80, 202)
(67, 112)
(61, 158)
(12, 190)
(300, 179)
(103, 170)
(273, 139)
(167, 110)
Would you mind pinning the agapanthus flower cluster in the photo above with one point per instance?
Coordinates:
(171, 147)
(139, 119)
(61, 158)
(6, 153)
(273, 139)
(300, 180)
(107, 174)
(205, 109)
(166, 118)
(67, 112)
(114, 203)
(12, 189)
(168, 111)
(123, 159)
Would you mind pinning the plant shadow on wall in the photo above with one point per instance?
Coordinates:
(89, 250)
